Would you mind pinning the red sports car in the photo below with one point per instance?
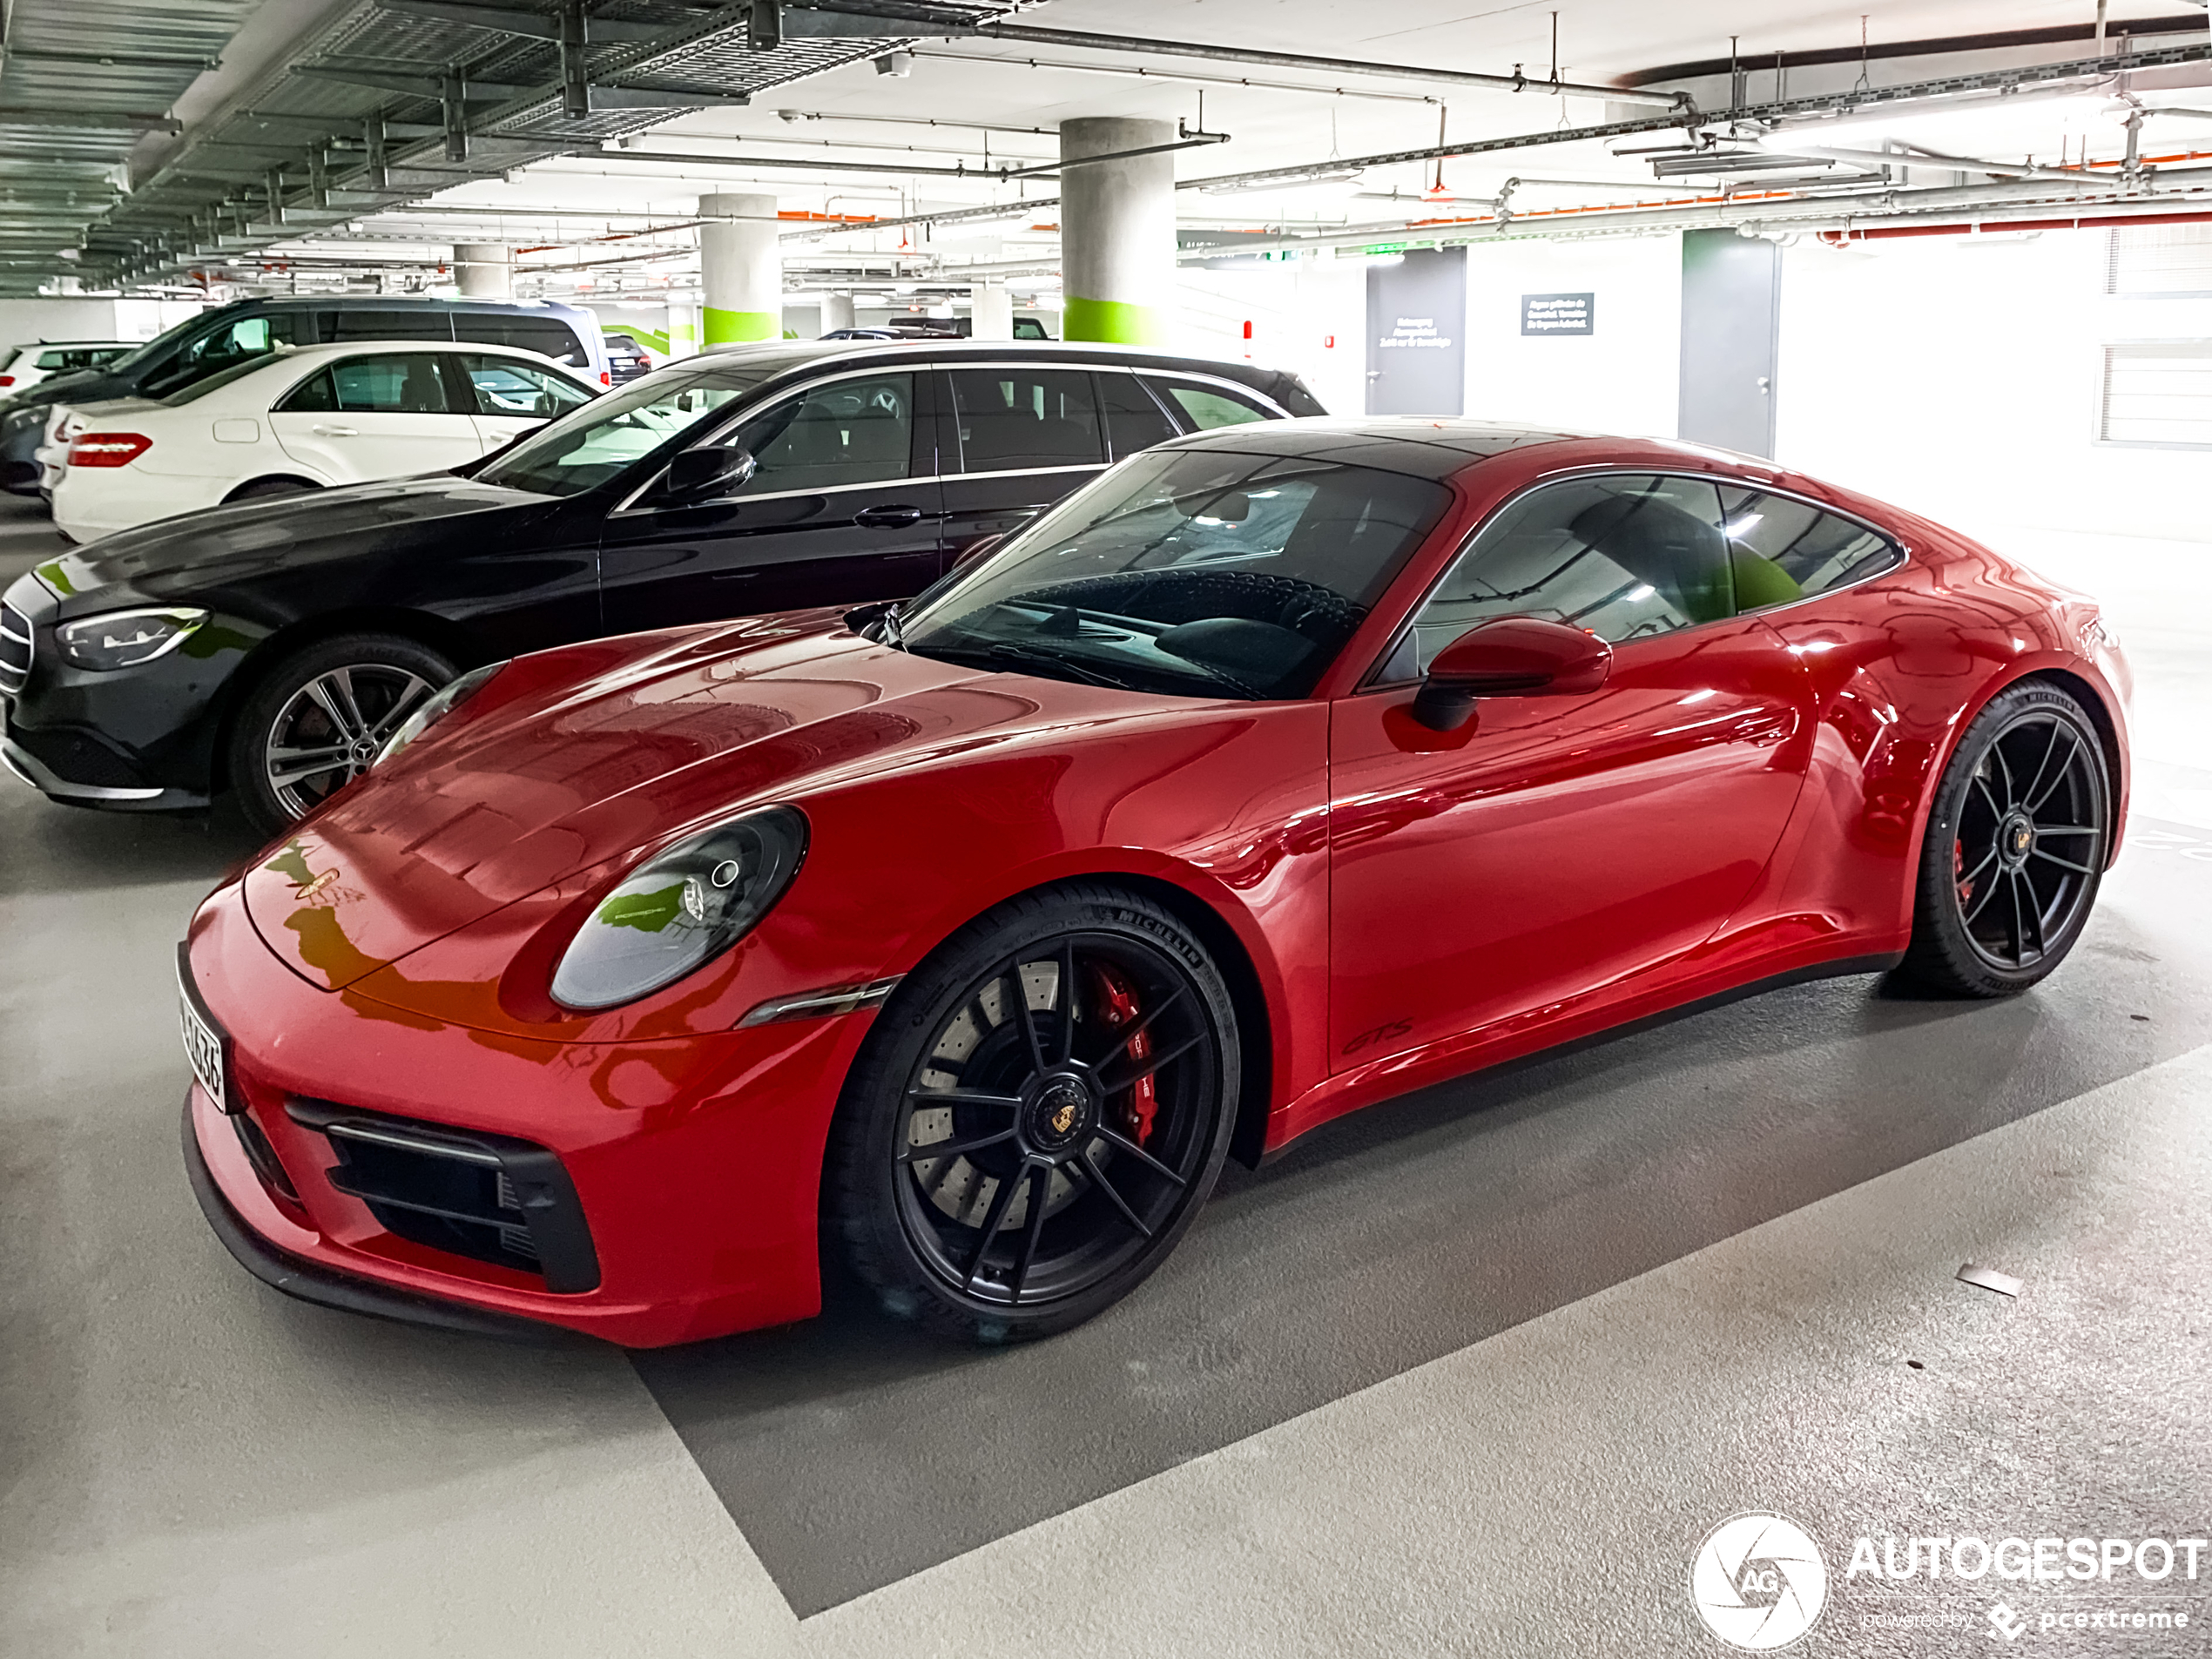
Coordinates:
(1284, 769)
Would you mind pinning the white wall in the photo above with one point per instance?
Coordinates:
(1622, 378)
(1308, 315)
(23, 322)
(1958, 376)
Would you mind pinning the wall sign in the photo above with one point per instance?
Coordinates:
(1558, 313)
(1417, 334)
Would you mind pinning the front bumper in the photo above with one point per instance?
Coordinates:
(695, 1163)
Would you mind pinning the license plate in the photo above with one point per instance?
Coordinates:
(203, 1042)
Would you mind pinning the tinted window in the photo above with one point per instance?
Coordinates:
(849, 431)
(427, 323)
(1134, 420)
(1015, 418)
(1625, 556)
(312, 396)
(1190, 572)
(69, 357)
(547, 336)
(1207, 406)
(502, 386)
(1782, 550)
(227, 344)
(593, 444)
(404, 383)
(1029, 328)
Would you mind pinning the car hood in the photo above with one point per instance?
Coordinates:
(572, 764)
(188, 556)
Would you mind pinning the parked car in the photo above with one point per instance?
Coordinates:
(626, 359)
(24, 367)
(220, 339)
(268, 645)
(1282, 770)
(937, 329)
(301, 420)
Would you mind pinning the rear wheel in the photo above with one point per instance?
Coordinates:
(2016, 844)
(318, 717)
(1039, 1113)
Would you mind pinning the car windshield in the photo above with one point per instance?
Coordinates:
(1192, 572)
(590, 445)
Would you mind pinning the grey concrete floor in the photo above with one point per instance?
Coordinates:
(1473, 1373)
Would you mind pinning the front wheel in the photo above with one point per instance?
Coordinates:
(318, 716)
(2017, 840)
(1039, 1113)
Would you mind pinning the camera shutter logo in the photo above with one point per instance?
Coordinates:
(1758, 1581)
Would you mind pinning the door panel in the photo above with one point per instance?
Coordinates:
(1552, 845)
(834, 515)
(1732, 290)
(1017, 439)
(382, 417)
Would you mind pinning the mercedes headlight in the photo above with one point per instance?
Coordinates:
(441, 702)
(125, 638)
(681, 908)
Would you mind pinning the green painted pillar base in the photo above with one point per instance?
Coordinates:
(1113, 322)
(723, 327)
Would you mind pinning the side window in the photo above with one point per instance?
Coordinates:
(849, 431)
(1134, 421)
(1207, 406)
(1782, 549)
(404, 383)
(503, 385)
(220, 348)
(1029, 328)
(547, 336)
(314, 395)
(1015, 419)
(426, 322)
(1626, 557)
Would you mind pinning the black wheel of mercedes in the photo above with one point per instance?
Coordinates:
(1038, 1114)
(2016, 844)
(315, 720)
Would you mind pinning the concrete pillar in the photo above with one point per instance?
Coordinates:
(683, 327)
(1117, 232)
(993, 308)
(742, 270)
(837, 312)
(483, 270)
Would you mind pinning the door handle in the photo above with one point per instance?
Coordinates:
(335, 431)
(890, 516)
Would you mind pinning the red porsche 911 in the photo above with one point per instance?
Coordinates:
(1285, 768)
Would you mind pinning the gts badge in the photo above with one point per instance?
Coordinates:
(1377, 1037)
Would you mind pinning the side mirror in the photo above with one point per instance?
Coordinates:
(711, 469)
(1510, 657)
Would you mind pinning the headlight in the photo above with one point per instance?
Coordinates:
(681, 908)
(125, 638)
(443, 702)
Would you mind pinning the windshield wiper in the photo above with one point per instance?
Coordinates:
(1028, 657)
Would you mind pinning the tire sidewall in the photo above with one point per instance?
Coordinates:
(861, 1197)
(1941, 929)
(264, 701)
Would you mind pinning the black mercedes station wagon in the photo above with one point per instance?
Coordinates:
(273, 646)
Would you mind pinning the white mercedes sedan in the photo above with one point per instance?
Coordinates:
(297, 419)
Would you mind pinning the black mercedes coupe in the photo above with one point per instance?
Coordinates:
(272, 647)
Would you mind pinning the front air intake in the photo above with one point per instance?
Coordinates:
(489, 1198)
(14, 650)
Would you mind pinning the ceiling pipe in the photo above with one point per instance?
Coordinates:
(1515, 82)
(2080, 222)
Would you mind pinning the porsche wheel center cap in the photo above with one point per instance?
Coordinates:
(2017, 839)
(1060, 1116)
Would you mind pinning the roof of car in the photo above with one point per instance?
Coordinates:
(780, 356)
(1424, 448)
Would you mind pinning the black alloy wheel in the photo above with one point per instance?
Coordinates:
(1037, 1116)
(316, 720)
(2016, 845)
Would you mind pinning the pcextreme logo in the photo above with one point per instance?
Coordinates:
(1758, 1581)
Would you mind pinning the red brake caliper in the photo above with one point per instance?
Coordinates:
(1117, 1009)
(1958, 870)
